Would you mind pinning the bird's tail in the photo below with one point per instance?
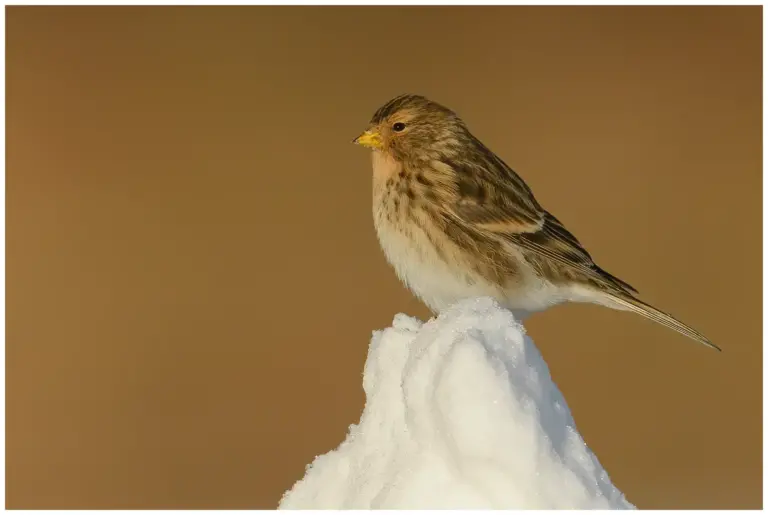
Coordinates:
(630, 303)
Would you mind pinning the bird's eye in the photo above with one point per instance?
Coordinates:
(398, 127)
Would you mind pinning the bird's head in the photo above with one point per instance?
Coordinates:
(412, 127)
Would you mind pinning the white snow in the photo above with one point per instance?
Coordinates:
(461, 412)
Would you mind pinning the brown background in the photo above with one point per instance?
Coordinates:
(193, 275)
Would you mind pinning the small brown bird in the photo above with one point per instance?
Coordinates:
(456, 222)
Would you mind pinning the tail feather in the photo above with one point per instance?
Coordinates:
(646, 310)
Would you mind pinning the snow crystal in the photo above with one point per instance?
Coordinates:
(461, 412)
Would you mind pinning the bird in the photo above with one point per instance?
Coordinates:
(456, 222)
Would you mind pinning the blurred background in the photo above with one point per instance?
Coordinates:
(193, 275)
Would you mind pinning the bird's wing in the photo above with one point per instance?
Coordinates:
(491, 198)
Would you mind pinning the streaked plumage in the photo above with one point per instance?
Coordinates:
(455, 222)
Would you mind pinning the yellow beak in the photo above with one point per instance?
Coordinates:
(370, 139)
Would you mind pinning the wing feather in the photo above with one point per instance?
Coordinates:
(492, 198)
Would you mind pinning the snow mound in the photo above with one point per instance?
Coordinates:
(461, 412)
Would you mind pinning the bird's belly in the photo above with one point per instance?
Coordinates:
(440, 283)
(437, 282)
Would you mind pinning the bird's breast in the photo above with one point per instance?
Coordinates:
(423, 257)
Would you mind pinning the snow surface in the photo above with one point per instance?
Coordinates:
(460, 413)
